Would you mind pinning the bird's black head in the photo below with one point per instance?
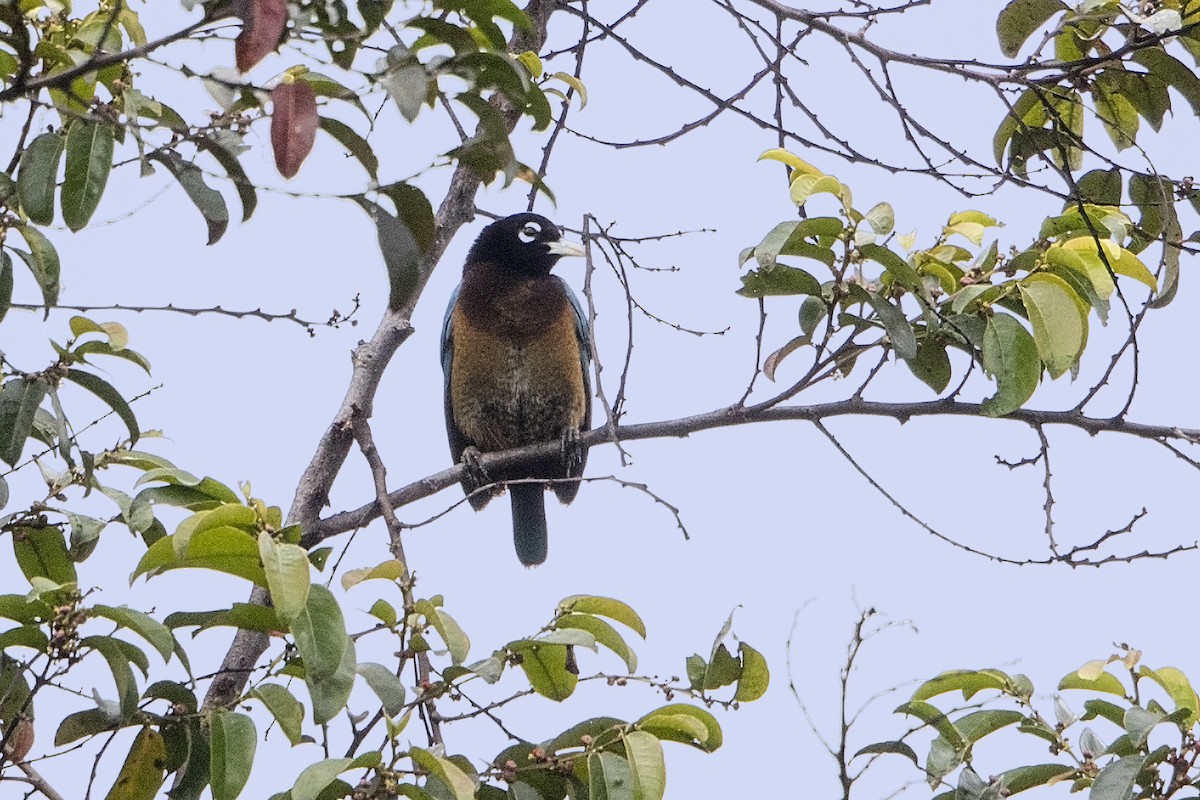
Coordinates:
(524, 243)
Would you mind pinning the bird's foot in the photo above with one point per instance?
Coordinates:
(571, 451)
(476, 474)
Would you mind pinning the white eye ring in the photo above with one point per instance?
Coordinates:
(529, 231)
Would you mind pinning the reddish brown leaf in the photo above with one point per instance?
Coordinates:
(263, 22)
(293, 125)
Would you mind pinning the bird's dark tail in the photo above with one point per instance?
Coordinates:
(529, 522)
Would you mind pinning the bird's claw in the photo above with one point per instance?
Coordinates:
(571, 451)
(475, 471)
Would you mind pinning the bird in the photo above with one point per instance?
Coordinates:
(515, 352)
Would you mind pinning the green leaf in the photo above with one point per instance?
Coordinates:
(1022, 778)
(1172, 71)
(899, 329)
(89, 160)
(82, 724)
(1118, 115)
(545, 666)
(142, 774)
(223, 549)
(1011, 356)
(934, 717)
(897, 747)
(609, 777)
(901, 271)
(207, 200)
(386, 686)
(157, 634)
(118, 659)
(355, 145)
(1139, 722)
(645, 755)
(604, 607)
(284, 706)
(1020, 18)
(603, 633)
(288, 577)
(1117, 779)
(1060, 326)
(247, 194)
(43, 262)
(6, 287)
(680, 722)
(105, 391)
(234, 739)
(42, 553)
(1017, 120)
(778, 280)
(978, 724)
(451, 776)
(968, 681)
(755, 676)
(932, 365)
(37, 177)
(401, 254)
(19, 402)
(320, 633)
(1178, 688)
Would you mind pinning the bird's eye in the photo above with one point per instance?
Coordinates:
(529, 232)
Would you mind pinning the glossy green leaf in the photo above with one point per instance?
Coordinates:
(223, 549)
(284, 707)
(457, 783)
(106, 392)
(687, 724)
(234, 739)
(1178, 688)
(1017, 120)
(615, 610)
(602, 633)
(1020, 18)
(156, 633)
(89, 160)
(901, 271)
(288, 575)
(37, 177)
(1011, 356)
(1060, 327)
(1116, 112)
